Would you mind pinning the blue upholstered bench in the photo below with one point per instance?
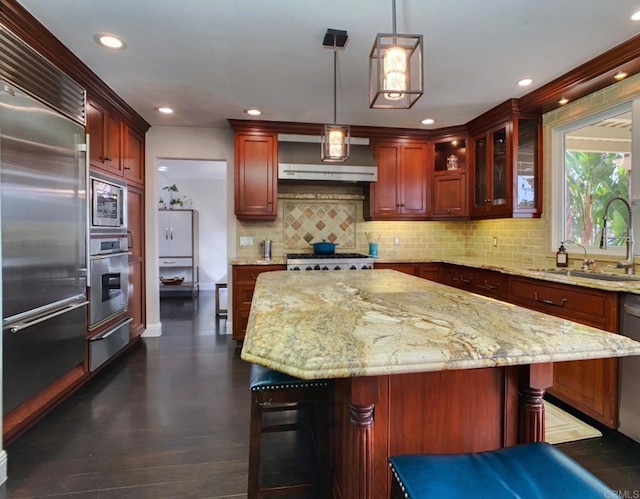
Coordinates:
(527, 471)
(274, 391)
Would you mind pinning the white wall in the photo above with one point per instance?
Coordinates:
(180, 143)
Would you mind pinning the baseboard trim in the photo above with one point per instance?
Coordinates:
(3, 466)
(152, 330)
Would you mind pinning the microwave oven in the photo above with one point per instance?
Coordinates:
(108, 204)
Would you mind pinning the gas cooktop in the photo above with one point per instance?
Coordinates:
(337, 261)
(313, 256)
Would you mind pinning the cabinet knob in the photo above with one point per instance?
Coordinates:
(107, 158)
(127, 168)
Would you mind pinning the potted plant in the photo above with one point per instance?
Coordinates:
(172, 190)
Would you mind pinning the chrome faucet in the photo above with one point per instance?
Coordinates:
(587, 263)
(627, 263)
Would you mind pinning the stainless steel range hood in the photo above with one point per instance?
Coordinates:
(301, 161)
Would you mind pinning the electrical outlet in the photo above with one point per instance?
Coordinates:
(495, 242)
(396, 241)
(246, 241)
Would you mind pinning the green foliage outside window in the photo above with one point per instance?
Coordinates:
(592, 178)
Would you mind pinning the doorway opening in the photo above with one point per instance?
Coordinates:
(192, 232)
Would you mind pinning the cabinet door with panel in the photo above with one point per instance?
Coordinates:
(256, 176)
(450, 195)
(491, 151)
(505, 159)
(175, 233)
(430, 271)
(105, 139)
(401, 190)
(133, 156)
(135, 232)
(244, 282)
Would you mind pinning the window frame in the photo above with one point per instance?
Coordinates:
(558, 179)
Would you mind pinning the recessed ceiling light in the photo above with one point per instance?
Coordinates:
(110, 41)
(164, 110)
(163, 168)
(620, 75)
(563, 101)
(525, 82)
(636, 16)
(253, 112)
(428, 121)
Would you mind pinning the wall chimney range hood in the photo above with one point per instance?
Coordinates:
(298, 161)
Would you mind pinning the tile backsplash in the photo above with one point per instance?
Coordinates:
(313, 220)
(312, 213)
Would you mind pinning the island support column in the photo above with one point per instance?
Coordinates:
(534, 380)
(364, 393)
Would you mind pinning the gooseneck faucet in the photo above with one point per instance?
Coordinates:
(627, 263)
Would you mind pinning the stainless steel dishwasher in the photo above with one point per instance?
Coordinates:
(629, 402)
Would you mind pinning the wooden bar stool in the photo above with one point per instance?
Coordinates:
(536, 470)
(274, 391)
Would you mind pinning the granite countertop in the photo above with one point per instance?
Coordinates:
(375, 322)
(630, 286)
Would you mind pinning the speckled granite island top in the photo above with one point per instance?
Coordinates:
(366, 323)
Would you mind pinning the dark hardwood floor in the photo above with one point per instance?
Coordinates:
(170, 420)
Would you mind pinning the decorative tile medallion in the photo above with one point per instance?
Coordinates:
(312, 221)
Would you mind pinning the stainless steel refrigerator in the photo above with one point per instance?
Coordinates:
(43, 217)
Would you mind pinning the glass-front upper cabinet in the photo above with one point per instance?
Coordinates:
(526, 192)
(491, 173)
(505, 164)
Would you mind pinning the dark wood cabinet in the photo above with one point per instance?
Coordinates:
(491, 179)
(406, 268)
(450, 196)
(449, 182)
(504, 163)
(401, 190)
(590, 386)
(243, 284)
(105, 139)
(256, 176)
(481, 281)
(135, 233)
(133, 156)
(430, 271)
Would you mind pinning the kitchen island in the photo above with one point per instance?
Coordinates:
(417, 366)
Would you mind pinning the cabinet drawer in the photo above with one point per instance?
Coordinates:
(491, 283)
(175, 262)
(588, 306)
(251, 272)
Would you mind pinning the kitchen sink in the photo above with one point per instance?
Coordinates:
(594, 275)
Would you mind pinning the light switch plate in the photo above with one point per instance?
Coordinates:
(246, 241)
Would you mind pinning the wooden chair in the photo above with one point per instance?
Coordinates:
(273, 391)
(536, 470)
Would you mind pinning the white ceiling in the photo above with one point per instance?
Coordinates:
(210, 59)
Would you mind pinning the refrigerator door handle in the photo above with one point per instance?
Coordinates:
(88, 214)
(19, 326)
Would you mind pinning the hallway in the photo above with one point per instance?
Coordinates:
(171, 419)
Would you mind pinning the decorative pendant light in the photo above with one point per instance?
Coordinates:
(335, 138)
(395, 70)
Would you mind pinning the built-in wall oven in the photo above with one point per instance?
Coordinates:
(109, 278)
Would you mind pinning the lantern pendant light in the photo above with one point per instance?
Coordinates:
(335, 138)
(395, 70)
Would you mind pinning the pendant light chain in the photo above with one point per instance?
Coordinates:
(393, 17)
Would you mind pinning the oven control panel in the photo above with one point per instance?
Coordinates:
(107, 245)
